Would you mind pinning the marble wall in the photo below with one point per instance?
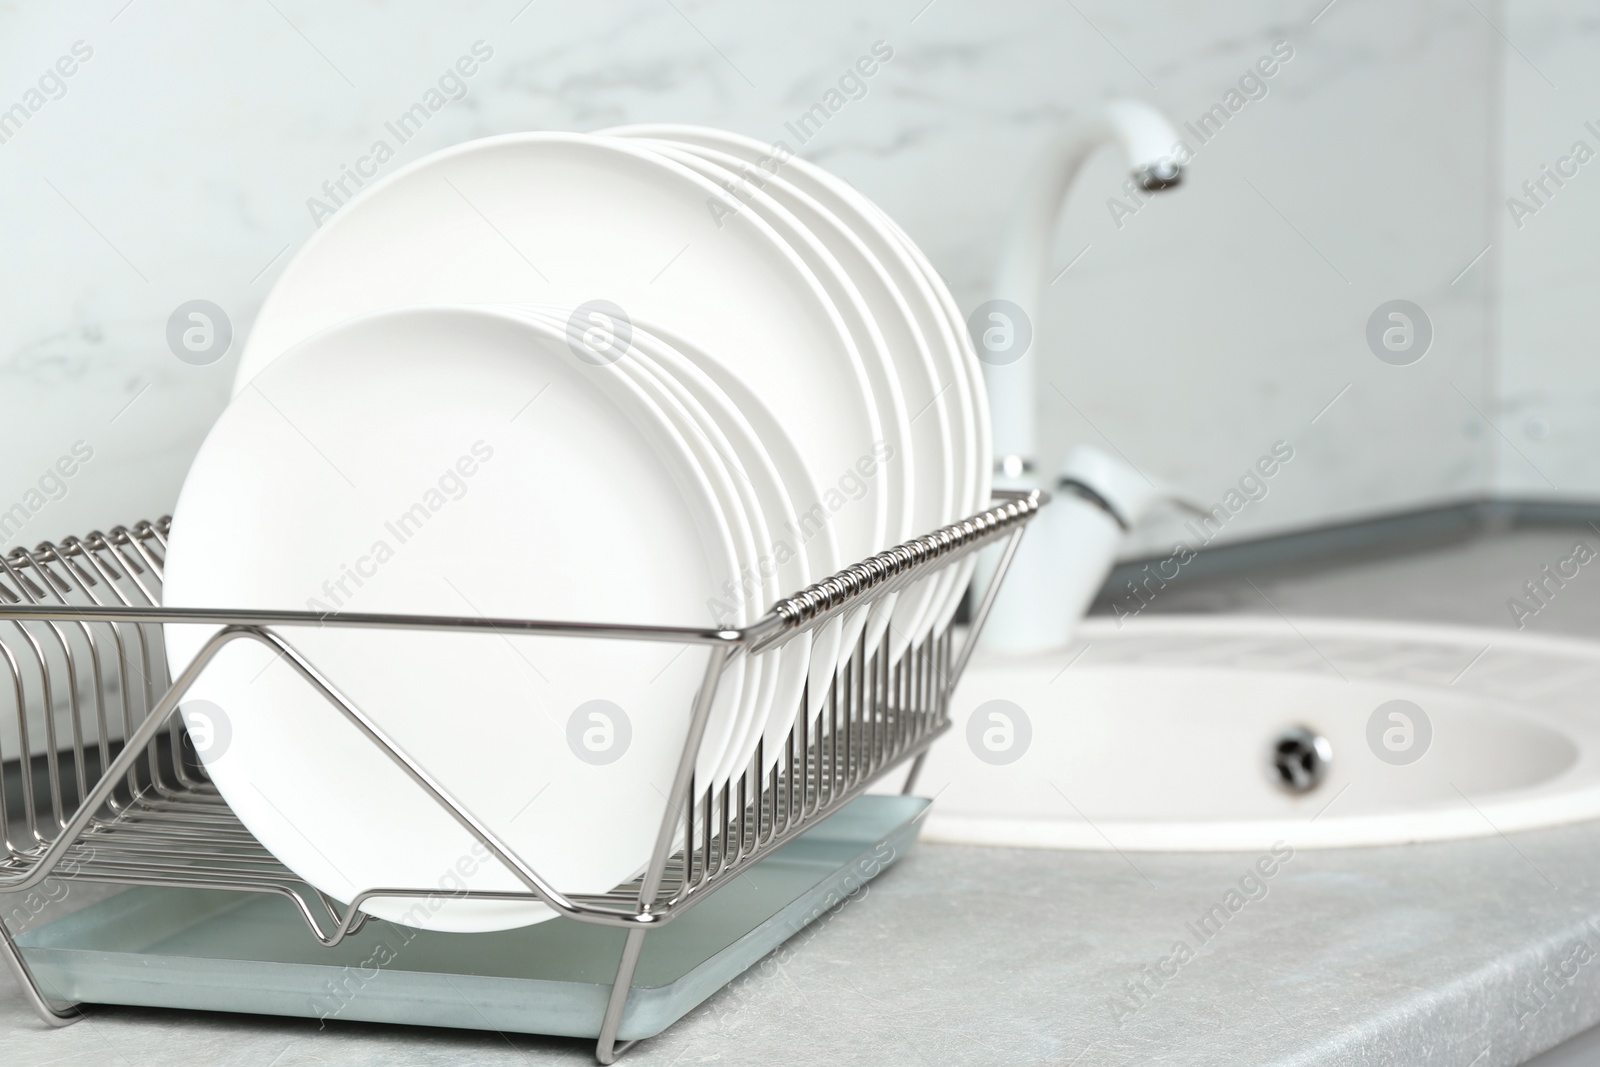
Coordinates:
(1548, 387)
(180, 159)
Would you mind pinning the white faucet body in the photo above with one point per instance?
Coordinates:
(1149, 140)
(1064, 559)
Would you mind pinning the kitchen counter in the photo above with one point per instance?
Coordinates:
(1479, 953)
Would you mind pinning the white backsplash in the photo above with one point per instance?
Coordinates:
(181, 159)
(1549, 376)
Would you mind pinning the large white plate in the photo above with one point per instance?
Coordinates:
(454, 462)
(906, 365)
(564, 219)
(937, 319)
(896, 477)
(966, 358)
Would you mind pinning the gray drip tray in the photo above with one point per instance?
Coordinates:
(216, 951)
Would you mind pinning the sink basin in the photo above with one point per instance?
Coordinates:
(1165, 735)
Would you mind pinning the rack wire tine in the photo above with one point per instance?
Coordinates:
(981, 616)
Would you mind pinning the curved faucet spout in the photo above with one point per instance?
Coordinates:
(1059, 568)
(1149, 140)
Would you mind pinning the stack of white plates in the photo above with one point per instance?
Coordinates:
(652, 376)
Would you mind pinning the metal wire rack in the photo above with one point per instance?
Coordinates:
(96, 784)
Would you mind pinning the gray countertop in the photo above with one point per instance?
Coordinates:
(1475, 953)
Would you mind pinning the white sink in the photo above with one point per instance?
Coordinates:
(1159, 736)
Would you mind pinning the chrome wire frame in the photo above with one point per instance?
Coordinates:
(82, 661)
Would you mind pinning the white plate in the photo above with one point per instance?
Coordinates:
(740, 519)
(966, 358)
(907, 365)
(895, 478)
(782, 572)
(809, 531)
(928, 398)
(778, 567)
(452, 462)
(926, 296)
(741, 602)
(563, 219)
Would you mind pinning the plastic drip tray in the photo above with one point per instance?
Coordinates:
(217, 951)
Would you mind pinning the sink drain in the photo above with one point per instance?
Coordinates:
(1300, 759)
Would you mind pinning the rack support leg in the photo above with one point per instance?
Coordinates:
(65, 1015)
(608, 1050)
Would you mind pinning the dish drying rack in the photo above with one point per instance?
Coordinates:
(84, 635)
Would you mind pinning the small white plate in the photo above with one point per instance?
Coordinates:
(778, 567)
(782, 569)
(463, 463)
(741, 602)
(806, 524)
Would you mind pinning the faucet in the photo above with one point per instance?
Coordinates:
(1098, 498)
